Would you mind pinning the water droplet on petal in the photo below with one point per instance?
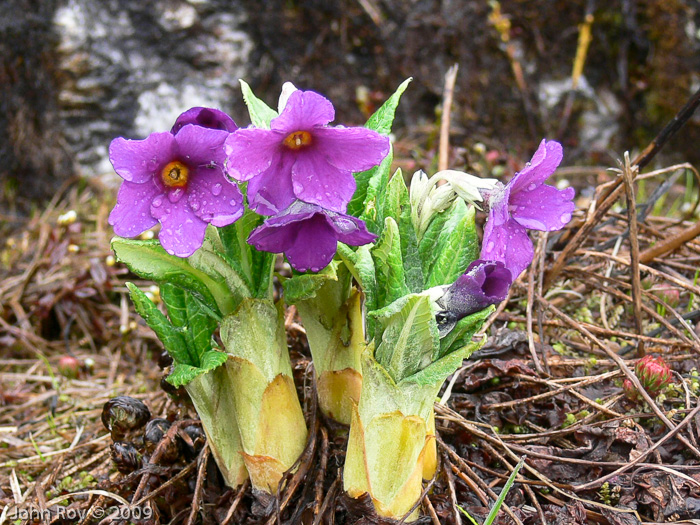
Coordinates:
(566, 217)
(194, 205)
(490, 246)
(175, 195)
(216, 189)
(532, 186)
(233, 202)
(157, 201)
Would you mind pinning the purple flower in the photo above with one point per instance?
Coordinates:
(176, 179)
(526, 203)
(483, 283)
(308, 235)
(301, 157)
(205, 117)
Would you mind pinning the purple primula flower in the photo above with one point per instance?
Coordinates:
(308, 235)
(526, 203)
(301, 157)
(177, 180)
(483, 283)
(205, 117)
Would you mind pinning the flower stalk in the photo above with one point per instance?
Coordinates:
(264, 400)
(333, 322)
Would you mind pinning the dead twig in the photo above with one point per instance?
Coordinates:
(447, 94)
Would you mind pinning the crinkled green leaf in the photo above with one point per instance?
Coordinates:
(460, 247)
(382, 119)
(438, 371)
(213, 359)
(211, 259)
(255, 267)
(427, 247)
(172, 338)
(187, 313)
(182, 374)
(304, 286)
(370, 185)
(388, 263)
(361, 265)
(372, 182)
(461, 335)
(260, 113)
(396, 204)
(409, 336)
(149, 260)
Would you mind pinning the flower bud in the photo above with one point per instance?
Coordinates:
(125, 456)
(653, 373)
(69, 366)
(123, 413)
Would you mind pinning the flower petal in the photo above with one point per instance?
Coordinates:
(483, 284)
(250, 152)
(316, 181)
(274, 238)
(198, 146)
(545, 208)
(182, 232)
(213, 198)
(314, 246)
(543, 163)
(351, 149)
(132, 214)
(350, 230)
(303, 111)
(509, 244)
(205, 117)
(271, 191)
(138, 161)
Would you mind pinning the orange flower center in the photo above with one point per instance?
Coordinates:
(298, 140)
(175, 174)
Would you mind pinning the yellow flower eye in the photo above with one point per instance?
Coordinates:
(298, 140)
(175, 174)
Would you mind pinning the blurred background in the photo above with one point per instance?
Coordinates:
(74, 74)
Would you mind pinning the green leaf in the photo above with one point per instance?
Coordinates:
(462, 333)
(396, 204)
(456, 250)
(436, 373)
(304, 286)
(172, 338)
(255, 267)
(183, 373)
(388, 263)
(372, 182)
(361, 265)
(427, 247)
(409, 339)
(504, 492)
(211, 259)
(382, 119)
(213, 359)
(260, 113)
(149, 260)
(449, 244)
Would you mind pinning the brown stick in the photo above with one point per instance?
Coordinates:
(444, 154)
(629, 172)
(625, 369)
(613, 193)
(668, 245)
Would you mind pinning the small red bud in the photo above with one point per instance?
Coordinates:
(69, 366)
(653, 373)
